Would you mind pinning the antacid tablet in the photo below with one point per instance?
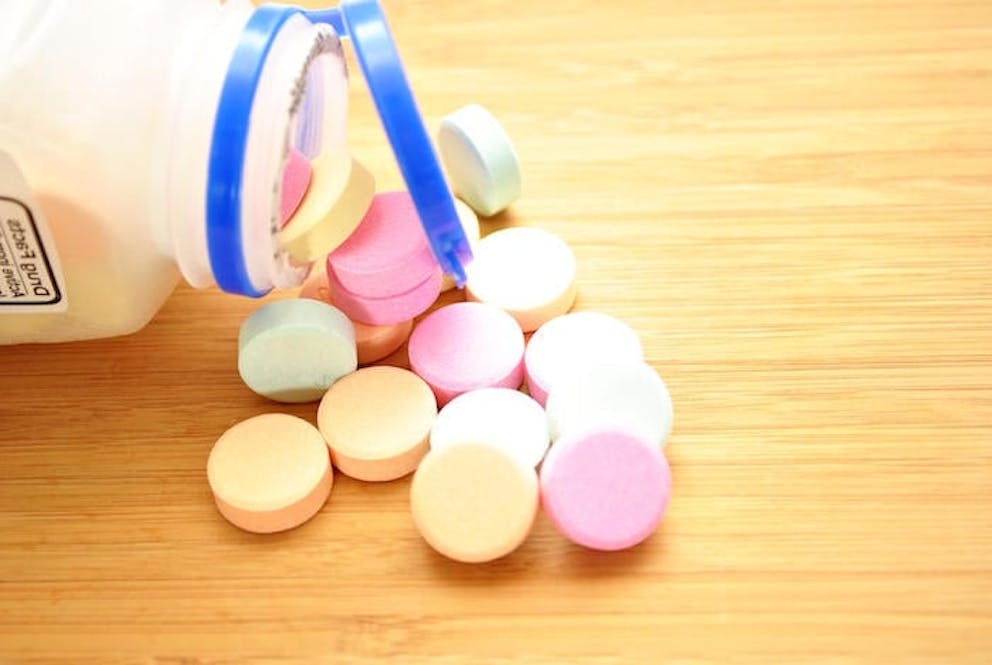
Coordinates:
(294, 350)
(499, 417)
(340, 193)
(630, 396)
(270, 473)
(467, 346)
(528, 272)
(474, 503)
(377, 422)
(573, 340)
(605, 489)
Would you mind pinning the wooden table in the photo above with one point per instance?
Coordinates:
(790, 201)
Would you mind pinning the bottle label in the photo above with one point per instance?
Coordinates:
(30, 277)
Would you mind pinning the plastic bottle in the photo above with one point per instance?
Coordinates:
(141, 142)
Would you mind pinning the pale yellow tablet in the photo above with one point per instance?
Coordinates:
(470, 225)
(340, 193)
(270, 473)
(377, 422)
(474, 503)
(528, 272)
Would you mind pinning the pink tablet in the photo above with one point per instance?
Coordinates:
(467, 346)
(605, 489)
(383, 311)
(374, 342)
(388, 253)
(295, 182)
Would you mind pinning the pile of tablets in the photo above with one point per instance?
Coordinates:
(586, 443)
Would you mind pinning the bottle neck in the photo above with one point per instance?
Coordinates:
(236, 113)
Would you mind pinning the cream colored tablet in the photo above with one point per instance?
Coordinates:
(525, 271)
(619, 396)
(470, 225)
(270, 473)
(340, 193)
(474, 503)
(377, 422)
(576, 339)
(502, 418)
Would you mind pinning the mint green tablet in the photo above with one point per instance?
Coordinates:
(294, 350)
(479, 158)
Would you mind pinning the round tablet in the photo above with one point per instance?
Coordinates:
(340, 193)
(377, 342)
(295, 181)
(473, 503)
(480, 160)
(605, 489)
(294, 350)
(467, 346)
(394, 309)
(503, 418)
(373, 342)
(571, 340)
(377, 422)
(315, 287)
(388, 253)
(470, 225)
(270, 473)
(528, 272)
(629, 396)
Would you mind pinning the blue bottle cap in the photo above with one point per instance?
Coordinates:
(364, 22)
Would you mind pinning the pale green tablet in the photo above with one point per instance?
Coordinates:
(480, 160)
(294, 350)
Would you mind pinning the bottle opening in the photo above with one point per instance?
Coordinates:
(286, 90)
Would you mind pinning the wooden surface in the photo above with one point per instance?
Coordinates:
(790, 201)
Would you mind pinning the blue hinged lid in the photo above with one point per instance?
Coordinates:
(364, 23)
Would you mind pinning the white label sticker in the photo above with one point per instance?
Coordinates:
(30, 279)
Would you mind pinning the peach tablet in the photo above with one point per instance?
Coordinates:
(467, 346)
(270, 473)
(378, 342)
(605, 489)
(473, 503)
(316, 287)
(388, 254)
(377, 422)
(572, 340)
(373, 342)
(528, 272)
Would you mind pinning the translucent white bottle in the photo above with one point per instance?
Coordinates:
(124, 162)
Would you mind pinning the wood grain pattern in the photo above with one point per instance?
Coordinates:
(790, 201)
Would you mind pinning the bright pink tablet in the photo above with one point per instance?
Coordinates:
(388, 253)
(384, 311)
(605, 489)
(467, 346)
(295, 182)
